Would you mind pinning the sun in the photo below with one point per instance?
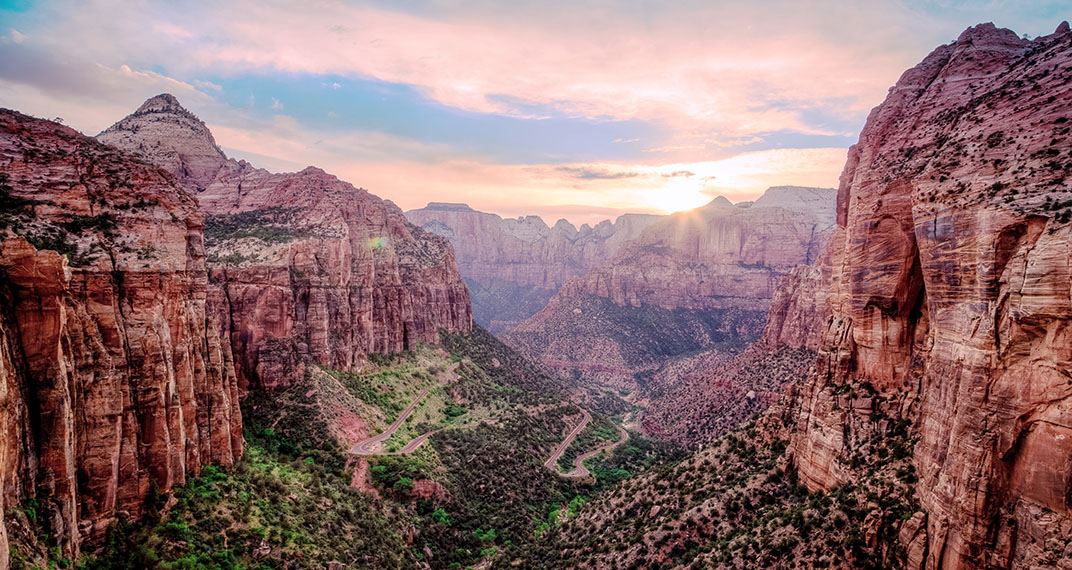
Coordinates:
(675, 196)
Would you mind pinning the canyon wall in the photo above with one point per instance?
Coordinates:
(514, 266)
(693, 281)
(951, 298)
(305, 267)
(113, 377)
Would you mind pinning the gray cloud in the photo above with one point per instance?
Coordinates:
(583, 173)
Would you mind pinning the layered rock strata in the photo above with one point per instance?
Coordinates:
(708, 273)
(513, 266)
(306, 267)
(113, 377)
(951, 299)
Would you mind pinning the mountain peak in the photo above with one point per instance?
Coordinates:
(720, 202)
(169, 136)
(162, 103)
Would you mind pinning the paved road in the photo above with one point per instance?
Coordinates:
(364, 447)
(579, 470)
(557, 453)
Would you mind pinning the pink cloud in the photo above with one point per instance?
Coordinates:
(709, 69)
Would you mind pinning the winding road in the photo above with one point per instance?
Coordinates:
(557, 453)
(365, 447)
(579, 470)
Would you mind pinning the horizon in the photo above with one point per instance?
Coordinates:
(581, 112)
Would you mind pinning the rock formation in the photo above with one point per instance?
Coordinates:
(113, 377)
(514, 266)
(691, 281)
(306, 267)
(950, 301)
(798, 309)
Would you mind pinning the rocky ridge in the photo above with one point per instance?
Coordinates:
(514, 265)
(305, 267)
(114, 381)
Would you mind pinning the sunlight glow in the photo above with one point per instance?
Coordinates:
(675, 196)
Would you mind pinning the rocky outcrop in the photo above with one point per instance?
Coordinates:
(113, 377)
(950, 302)
(708, 274)
(798, 309)
(306, 267)
(513, 266)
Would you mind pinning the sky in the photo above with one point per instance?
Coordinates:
(570, 109)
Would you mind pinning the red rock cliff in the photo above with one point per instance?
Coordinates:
(308, 268)
(951, 296)
(113, 377)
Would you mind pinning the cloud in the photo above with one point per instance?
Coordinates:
(207, 85)
(654, 64)
(589, 174)
(90, 96)
(702, 79)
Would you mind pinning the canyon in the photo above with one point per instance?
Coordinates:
(869, 377)
(694, 281)
(513, 266)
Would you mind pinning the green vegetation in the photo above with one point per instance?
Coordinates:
(272, 225)
(600, 431)
(283, 506)
(476, 492)
(738, 504)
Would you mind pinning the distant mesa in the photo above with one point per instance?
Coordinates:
(448, 207)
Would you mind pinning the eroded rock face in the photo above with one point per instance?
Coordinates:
(307, 267)
(513, 266)
(113, 376)
(950, 298)
(798, 307)
(709, 273)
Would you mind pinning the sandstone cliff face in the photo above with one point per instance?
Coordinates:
(797, 312)
(718, 256)
(708, 274)
(951, 299)
(113, 376)
(306, 267)
(513, 266)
